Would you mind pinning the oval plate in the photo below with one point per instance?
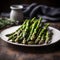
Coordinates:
(55, 36)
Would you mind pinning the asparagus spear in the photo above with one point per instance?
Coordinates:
(33, 19)
(42, 38)
(39, 36)
(21, 36)
(36, 29)
(26, 29)
(47, 37)
(32, 30)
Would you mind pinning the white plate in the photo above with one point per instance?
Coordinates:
(55, 36)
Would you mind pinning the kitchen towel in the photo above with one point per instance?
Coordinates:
(46, 12)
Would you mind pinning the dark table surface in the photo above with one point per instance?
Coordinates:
(12, 52)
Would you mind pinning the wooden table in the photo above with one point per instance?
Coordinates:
(12, 52)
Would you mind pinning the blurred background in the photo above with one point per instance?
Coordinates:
(49, 10)
(5, 4)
